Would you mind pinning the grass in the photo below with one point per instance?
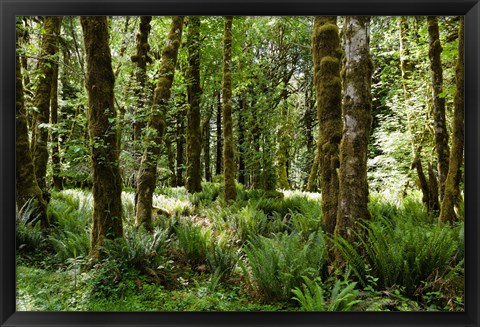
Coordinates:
(265, 252)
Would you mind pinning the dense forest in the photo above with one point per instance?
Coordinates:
(240, 163)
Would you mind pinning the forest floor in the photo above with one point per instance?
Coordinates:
(264, 252)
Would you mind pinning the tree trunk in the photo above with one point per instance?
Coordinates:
(241, 141)
(206, 146)
(42, 98)
(219, 149)
(147, 174)
(357, 120)
(56, 159)
(230, 192)
(194, 132)
(440, 124)
(104, 142)
(26, 188)
(326, 58)
(141, 59)
(452, 183)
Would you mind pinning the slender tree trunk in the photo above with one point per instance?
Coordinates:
(326, 57)
(180, 148)
(104, 142)
(141, 59)
(42, 98)
(219, 148)
(452, 182)
(206, 147)
(26, 188)
(357, 120)
(439, 120)
(194, 132)
(230, 192)
(56, 159)
(147, 174)
(241, 141)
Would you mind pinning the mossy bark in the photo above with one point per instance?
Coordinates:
(230, 192)
(326, 58)
(439, 120)
(141, 59)
(206, 133)
(104, 141)
(357, 119)
(180, 167)
(26, 188)
(41, 118)
(241, 140)
(147, 173)
(194, 131)
(452, 183)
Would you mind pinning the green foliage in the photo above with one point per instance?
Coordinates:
(29, 238)
(274, 266)
(311, 296)
(222, 259)
(193, 242)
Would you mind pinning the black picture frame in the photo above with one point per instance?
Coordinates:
(11, 8)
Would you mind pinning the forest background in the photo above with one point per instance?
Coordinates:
(240, 163)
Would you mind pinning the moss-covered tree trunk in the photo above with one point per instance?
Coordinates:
(26, 188)
(439, 120)
(180, 167)
(41, 118)
(230, 192)
(147, 173)
(219, 142)
(141, 59)
(452, 183)
(194, 131)
(56, 159)
(326, 58)
(357, 119)
(206, 133)
(104, 141)
(283, 145)
(241, 140)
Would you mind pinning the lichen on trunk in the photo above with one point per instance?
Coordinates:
(326, 57)
(147, 173)
(452, 183)
(357, 119)
(439, 120)
(41, 117)
(104, 141)
(230, 192)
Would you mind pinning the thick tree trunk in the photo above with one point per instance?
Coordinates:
(147, 173)
(452, 183)
(357, 120)
(26, 188)
(194, 131)
(104, 142)
(439, 120)
(230, 192)
(56, 159)
(326, 58)
(141, 59)
(219, 145)
(49, 49)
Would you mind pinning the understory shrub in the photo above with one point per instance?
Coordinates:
(193, 242)
(274, 266)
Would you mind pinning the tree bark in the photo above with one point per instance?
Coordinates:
(326, 57)
(357, 119)
(141, 59)
(219, 145)
(104, 142)
(194, 131)
(230, 192)
(180, 142)
(241, 140)
(147, 173)
(206, 131)
(452, 183)
(26, 188)
(49, 49)
(439, 120)
(56, 159)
